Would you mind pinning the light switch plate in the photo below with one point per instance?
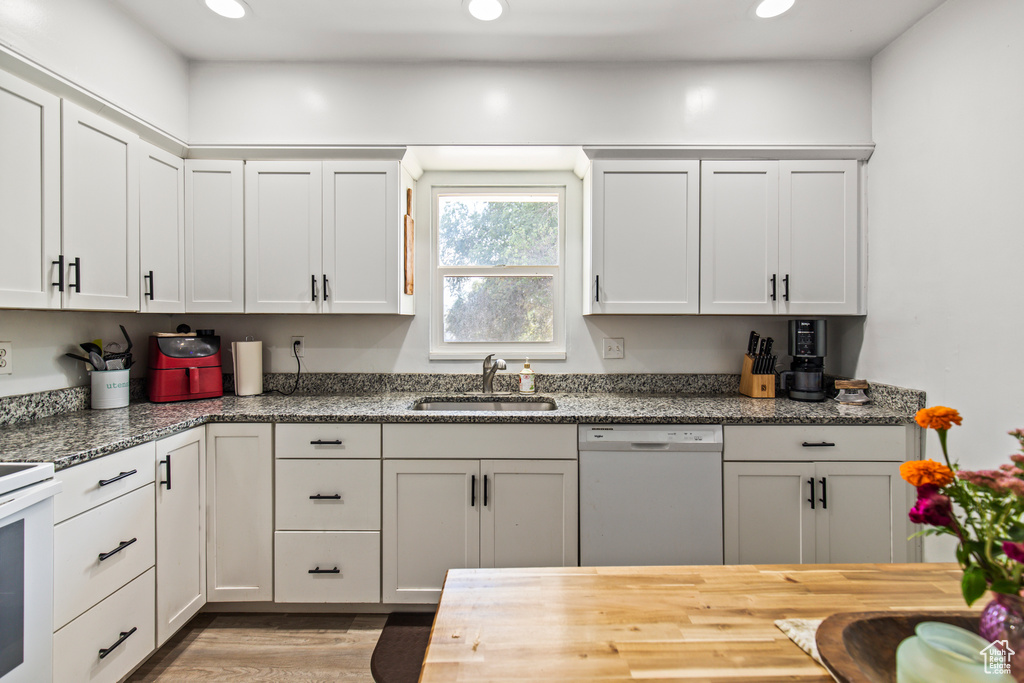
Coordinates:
(6, 358)
(614, 348)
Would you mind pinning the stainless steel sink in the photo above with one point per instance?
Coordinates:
(475, 405)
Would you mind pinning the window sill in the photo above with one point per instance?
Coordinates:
(505, 354)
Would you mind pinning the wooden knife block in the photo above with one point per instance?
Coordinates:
(755, 386)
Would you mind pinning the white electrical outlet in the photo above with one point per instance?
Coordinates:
(614, 348)
(300, 349)
(6, 359)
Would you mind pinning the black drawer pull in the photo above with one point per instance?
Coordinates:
(104, 482)
(124, 636)
(320, 496)
(811, 499)
(824, 494)
(115, 551)
(822, 444)
(325, 571)
(168, 463)
(59, 284)
(321, 442)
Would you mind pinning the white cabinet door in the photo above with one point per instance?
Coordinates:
(100, 189)
(29, 195)
(240, 505)
(819, 238)
(283, 229)
(161, 231)
(180, 530)
(214, 237)
(767, 518)
(739, 232)
(361, 237)
(529, 513)
(431, 523)
(861, 512)
(644, 237)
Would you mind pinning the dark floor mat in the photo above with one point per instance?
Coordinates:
(400, 649)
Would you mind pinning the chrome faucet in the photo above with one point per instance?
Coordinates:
(489, 370)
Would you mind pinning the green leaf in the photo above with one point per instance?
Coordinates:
(973, 584)
(1016, 532)
(1005, 586)
(962, 555)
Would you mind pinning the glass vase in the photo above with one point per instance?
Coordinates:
(1003, 619)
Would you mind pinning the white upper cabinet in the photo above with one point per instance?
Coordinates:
(214, 237)
(780, 237)
(29, 195)
(361, 249)
(161, 231)
(100, 188)
(283, 246)
(642, 237)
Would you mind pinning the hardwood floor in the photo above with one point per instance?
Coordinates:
(284, 648)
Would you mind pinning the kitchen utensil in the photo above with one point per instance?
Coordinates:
(89, 347)
(81, 358)
(410, 242)
(97, 360)
(752, 343)
(115, 364)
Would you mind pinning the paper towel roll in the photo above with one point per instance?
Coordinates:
(247, 358)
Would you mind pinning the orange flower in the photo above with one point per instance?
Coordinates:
(937, 417)
(924, 472)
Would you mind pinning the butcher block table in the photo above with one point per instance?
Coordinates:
(706, 623)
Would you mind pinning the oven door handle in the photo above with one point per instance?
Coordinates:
(14, 503)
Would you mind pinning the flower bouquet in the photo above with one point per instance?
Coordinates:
(983, 509)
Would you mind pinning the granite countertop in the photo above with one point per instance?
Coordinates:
(74, 437)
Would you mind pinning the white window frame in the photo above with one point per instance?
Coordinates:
(442, 350)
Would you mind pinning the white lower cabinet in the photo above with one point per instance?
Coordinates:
(818, 510)
(327, 566)
(440, 514)
(180, 530)
(106, 643)
(240, 513)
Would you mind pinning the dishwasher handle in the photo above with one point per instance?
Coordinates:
(648, 446)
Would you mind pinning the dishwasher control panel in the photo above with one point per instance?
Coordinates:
(672, 437)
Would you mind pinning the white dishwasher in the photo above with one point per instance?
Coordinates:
(650, 494)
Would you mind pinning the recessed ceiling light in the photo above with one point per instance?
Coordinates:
(232, 9)
(486, 10)
(773, 8)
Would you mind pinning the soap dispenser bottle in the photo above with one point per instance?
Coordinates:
(527, 385)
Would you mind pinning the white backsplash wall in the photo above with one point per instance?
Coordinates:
(944, 191)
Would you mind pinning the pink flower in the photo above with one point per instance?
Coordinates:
(1017, 458)
(931, 508)
(1014, 551)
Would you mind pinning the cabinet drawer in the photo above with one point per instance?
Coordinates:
(327, 441)
(493, 441)
(357, 482)
(84, 487)
(814, 443)
(76, 647)
(355, 555)
(80, 578)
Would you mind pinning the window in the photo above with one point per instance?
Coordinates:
(497, 255)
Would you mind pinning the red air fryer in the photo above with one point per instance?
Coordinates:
(184, 367)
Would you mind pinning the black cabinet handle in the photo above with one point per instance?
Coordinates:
(597, 288)
(820, 444)
(321, 442)
(472, 491)
(811, 499)
(485, 490)
(824, 494)
(325, 287)
(124, 636)
(168, 463)
(313, 278)
(115, 551)
(320, 496)
(773, 287)
(77, 265)
(152, 288)
(785, 292)
(104, 482)
(59, 284)
(325, 571)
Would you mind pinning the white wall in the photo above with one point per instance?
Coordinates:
(462, 103)
(945, 212)
(95, 46)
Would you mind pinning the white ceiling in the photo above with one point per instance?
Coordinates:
(533, 30)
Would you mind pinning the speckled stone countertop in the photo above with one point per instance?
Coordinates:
(74, 437)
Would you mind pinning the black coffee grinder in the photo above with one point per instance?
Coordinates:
(806, 378)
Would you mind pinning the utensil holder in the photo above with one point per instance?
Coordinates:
(109, 389)
(755, 386)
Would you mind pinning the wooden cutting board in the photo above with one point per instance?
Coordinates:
(410, 242)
